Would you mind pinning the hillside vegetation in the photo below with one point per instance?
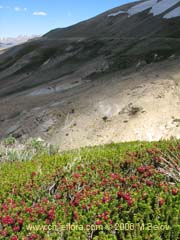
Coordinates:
(127, 191)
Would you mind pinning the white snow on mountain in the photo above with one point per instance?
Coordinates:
(156, 8)
(141, 7)
(173, 13)
(115, 14)
(163, 6)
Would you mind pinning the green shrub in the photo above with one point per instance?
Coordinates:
(115, 191)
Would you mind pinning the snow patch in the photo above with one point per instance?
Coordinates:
(141, 7)
(156, 8)
(116, 14)
(172, 14)
(163, 6)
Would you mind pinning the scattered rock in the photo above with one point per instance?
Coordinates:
(105, 118)
(173, 56)
(131, 110)
(176, 120)
(75, 82)
(69, 48)
(18, 134)
(12, 129)
(159, 96)
(141, 63)
(72, 111)
(134, 110)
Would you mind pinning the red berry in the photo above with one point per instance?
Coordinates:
(106, 212)
(76, 175)
(175, 191)
(149, 183)
(14, 238)
(76, 202)
(7, 220)
(98, 222)
(105, 199)
(3, 233)
(161, 202)
(34, 236)
(134, 185)
(130, 202)
(106, 217)
(58, 196)
(120, 194)
(16, 228)
(141, 169)
(33, 174)
(76, 216)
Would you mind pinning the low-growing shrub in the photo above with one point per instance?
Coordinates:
(118, 191)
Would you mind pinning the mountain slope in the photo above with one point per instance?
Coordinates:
(130, 20)
(76, 86)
